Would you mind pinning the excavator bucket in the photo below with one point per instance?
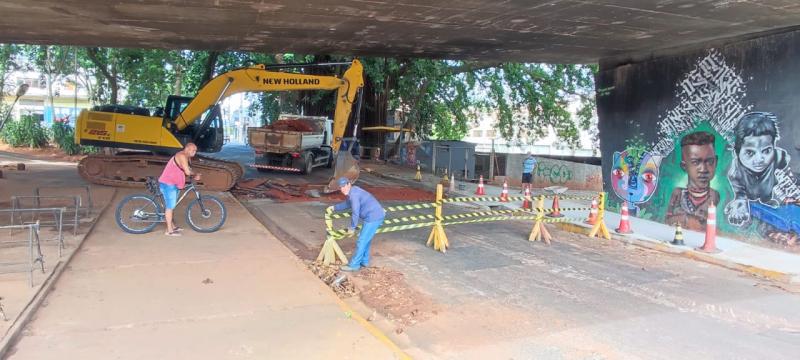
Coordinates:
(346, 166)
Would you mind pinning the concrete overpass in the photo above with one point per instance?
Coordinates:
(565, 31)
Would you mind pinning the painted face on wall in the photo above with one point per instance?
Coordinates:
(757, 152)
(700, 163)
(635, 182)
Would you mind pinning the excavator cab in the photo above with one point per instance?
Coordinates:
(207, 134)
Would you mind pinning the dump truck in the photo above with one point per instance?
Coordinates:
(292, 143)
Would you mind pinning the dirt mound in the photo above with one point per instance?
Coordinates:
(387, 291)
(334, 278)
(291, 125)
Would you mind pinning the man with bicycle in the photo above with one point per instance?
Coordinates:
(172, 179)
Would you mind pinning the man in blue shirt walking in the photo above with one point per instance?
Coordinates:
(363, 206)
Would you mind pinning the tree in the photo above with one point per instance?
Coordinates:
(54, 63)
(104, 67)
(439, 98)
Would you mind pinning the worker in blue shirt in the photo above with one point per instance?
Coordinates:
(363, 206)
(527, 171)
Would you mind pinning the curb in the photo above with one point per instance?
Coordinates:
(691, 254)
(13, 333)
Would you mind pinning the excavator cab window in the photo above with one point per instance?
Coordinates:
(208, 135)
(175, 105)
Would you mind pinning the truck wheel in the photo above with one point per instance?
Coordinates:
(308, 164)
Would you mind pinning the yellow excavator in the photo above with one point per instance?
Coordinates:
(150, 140)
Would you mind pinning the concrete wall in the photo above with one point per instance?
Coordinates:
(549, 172)
(720, 125)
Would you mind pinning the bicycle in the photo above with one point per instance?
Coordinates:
(140, 213)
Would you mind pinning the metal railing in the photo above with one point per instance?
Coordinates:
(35, 255)
(35, 218)
(17, 205)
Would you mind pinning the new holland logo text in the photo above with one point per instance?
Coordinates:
(290, 81)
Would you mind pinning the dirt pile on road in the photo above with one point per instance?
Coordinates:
(387, 291)
(334, 278)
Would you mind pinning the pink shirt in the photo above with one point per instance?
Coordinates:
(173, 175)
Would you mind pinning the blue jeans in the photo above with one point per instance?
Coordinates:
(170, 193)
(361, 254)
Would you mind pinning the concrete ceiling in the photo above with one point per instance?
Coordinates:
(566, 31)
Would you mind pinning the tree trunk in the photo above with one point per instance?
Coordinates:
(109, 75)
(176, 88)
(208, 68)
(48, 77)
(114, 84)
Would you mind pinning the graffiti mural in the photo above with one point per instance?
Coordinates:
(688, 206)
(634, 176)
(757, 158)
(558, 174)
(714, 146)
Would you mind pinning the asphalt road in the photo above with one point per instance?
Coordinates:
(496, 295)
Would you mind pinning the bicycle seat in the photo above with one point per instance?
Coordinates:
(152, 186)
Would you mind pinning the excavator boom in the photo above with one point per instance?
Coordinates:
(257, 79)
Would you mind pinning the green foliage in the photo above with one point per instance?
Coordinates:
(439, 98)
(63, 136)
(442, 97)
(28, 131)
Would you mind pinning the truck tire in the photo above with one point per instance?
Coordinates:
(308, 163)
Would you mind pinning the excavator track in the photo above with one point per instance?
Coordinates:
(132, 169)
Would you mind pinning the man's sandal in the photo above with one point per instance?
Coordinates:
(173, 233)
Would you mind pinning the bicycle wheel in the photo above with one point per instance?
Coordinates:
(138, 214)
(208, 218)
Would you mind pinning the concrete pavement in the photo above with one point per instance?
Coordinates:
(234, 294)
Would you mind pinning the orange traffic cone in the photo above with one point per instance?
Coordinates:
(480, 190)
(624, 221)
(504, 194)
(592, 219)
(556, 212)
(710, 244)
(526, 204)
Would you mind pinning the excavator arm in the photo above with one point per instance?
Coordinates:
(258, 79)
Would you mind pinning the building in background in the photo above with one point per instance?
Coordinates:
(68, 99)
(484, 135)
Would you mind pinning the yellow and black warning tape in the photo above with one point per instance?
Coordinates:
(408, 219)
(574, 197)
(491, 218)
(481, 213)
(341, 215)
(562, 219)
(567, 209)
(339, 234)
(482, 199)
